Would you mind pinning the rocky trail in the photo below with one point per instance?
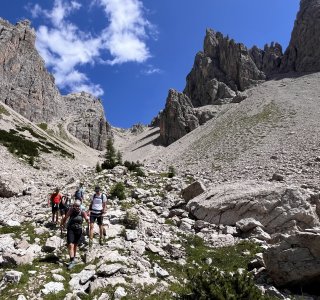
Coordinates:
(153, 237)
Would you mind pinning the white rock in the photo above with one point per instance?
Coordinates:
(52, 287)
(12, 276)
(119, 293)
(58, 277)
(131, 235)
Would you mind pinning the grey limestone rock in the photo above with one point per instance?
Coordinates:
(278, 207)
(194, 189)
(223, 68)
(26, 85)
(295, 260)
(87, 121)
(28, 88)
(178, 118)
(303, 52)
(12, 276)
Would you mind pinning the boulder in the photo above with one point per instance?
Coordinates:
(12, 276)
(248, 224)
(277, 206)
(193, 190)
(53, 243)
(295, 261)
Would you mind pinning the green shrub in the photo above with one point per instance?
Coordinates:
(32, 132)
(140, 172)
(131, 220)
(118, 190)
(31, 161)
(43, 126)
(210, 283)
(132, 166)
(4, 111)
(98, 168)
(18, 145)
(171, 172)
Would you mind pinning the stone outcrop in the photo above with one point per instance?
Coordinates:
(28, 88)
(267, 60)
(223, 68)
(178, 118)
(279, 208)
(26, 85)
(87, 122)
(295, 261)
(303, 52)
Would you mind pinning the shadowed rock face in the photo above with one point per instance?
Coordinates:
(178, 118)
(28, 88)
(303, 52)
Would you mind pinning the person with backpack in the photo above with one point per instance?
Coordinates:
(74, 229)
(79, 194)
(96, 209)
(54, 201)
(65, 204)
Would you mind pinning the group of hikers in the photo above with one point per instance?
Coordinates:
(76, 213)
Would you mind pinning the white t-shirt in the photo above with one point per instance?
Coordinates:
(96, 203)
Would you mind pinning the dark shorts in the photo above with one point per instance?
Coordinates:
(55, 208)
(63, 210)
(93, 218)
(74, 236)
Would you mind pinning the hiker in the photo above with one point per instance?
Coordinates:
(74, 229)
(65, 204)
(79, 194)
(54, 201)
(97, 208)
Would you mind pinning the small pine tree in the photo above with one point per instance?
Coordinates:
(111, 156)
(119, 158)
(172, 172)
(98, 168)
(118, 190)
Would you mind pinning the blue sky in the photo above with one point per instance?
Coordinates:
(130, 53)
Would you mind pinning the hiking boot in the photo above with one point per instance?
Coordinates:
(101, 240)
(71, 265)
(90, 243)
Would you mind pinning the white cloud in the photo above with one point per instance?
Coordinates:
(151, 70)
(65, 47)
(125, 36)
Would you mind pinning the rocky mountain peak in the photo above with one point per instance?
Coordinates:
(224, 70)
(303, 54)
(28, 88)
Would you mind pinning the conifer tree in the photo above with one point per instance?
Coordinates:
(111, 156)
(119, 158)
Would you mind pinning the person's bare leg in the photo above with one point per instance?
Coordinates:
(71, 248)
(91, 230)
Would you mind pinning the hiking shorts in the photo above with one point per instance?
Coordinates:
(74, 236)
(55, 208)
(63, 210)
(93, 218)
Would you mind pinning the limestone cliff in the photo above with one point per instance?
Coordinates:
(28, 88)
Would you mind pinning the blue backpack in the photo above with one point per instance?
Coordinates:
(78, 195)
